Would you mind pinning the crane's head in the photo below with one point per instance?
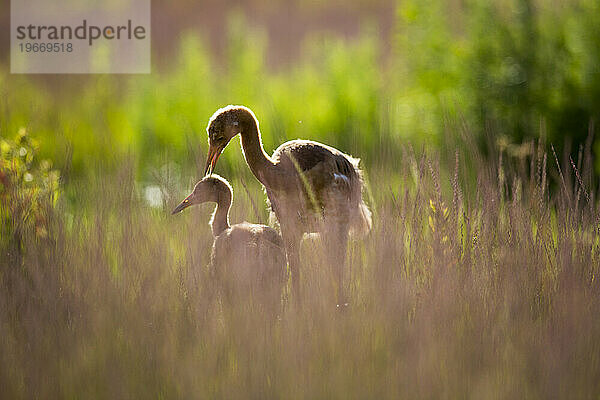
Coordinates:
(222, 127)
(210, 189)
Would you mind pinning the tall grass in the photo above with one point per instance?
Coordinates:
(460, 291)
(479, 279)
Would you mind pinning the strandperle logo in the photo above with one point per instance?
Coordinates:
(68, 36)
(83, 32)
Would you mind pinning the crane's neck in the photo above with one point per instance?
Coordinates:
(257, 159)
(220, 219)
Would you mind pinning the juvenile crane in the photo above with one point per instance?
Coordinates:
(245, 257)
(311, 187)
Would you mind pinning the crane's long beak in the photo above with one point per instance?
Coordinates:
(183, 205)
(211, 160)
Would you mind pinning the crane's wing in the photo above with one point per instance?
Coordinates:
(323, 166)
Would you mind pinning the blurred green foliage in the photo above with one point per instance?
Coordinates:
(511, 68)
(481, 290)
(333, 95)
(29, 189)
(518, 68)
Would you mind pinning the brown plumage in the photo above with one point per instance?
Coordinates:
(246, 258)
(311, 187)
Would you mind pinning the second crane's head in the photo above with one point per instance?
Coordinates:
(213, 189)
(222, 127)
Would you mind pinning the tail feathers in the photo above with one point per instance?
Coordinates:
(362, 223)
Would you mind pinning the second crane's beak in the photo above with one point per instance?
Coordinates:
(211, 160)
(183, 205)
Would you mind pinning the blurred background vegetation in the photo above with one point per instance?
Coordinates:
(367, 78)
(478, 280)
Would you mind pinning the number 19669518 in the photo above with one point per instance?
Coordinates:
(46, 47)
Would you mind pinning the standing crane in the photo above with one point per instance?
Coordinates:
(246, 258)
(311, 187)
